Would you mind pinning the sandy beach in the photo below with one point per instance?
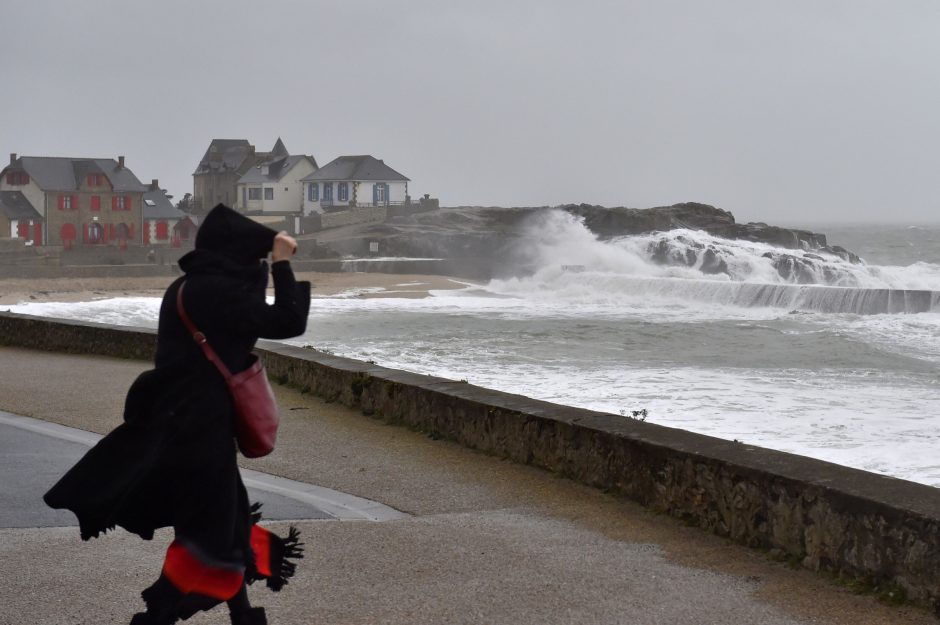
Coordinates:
(360, 284)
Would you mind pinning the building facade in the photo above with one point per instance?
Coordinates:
(82, 201)
(164, 224)
(217, 175)
(349, 181)
(274, 186)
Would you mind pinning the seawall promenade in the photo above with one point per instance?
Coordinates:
(553, 533)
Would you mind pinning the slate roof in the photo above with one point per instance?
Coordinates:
(14, 205)
(277, 169)
(279, 149)
(357, 167)
(158, 206)
(224, 154)
(57, 173)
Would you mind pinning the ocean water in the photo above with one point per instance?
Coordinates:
(839, 362)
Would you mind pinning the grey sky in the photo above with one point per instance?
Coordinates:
(786, 111)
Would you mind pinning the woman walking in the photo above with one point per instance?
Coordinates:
(172, 463)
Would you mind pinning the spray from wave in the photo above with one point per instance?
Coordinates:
(569, 262)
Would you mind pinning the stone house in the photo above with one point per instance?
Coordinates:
(347, 181)
(274, 187)
(83, 201)
(216, 176)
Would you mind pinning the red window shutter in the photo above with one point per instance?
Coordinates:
(74, 202)
(22, 229)
(10, 178)
(61, 202)
(114, 202)
(147, 232)
(127, 202)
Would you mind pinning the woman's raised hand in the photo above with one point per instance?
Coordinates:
(284, 247)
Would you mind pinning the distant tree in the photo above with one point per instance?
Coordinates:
(186, 204)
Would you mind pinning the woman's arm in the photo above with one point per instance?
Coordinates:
(287, 316)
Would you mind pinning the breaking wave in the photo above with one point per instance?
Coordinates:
(570, 262)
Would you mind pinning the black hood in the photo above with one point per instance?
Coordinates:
(234, 236)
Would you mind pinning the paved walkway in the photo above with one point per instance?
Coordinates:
(34, 454)
(484, 541)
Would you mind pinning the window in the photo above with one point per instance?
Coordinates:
(313, 192)
(327, 191)
(269, 193)
(343, 192)
(68, 202)
(95, 233)
(254, 193)
(96, 202)
(380, 193)
(95, 180)
(17, 177)
(117, 203)
(163, 231)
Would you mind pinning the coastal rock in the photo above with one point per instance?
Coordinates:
(496, 234)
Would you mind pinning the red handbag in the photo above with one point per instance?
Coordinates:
(255, 407)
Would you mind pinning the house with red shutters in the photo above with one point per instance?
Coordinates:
(81, 201)
(19, 219)
(164, 224)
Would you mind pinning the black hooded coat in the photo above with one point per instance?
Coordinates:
(173, 460)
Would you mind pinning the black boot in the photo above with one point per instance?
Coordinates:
(251, 616)
(146, 618)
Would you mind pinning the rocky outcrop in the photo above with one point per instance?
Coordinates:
(496, 233)
(609, 222)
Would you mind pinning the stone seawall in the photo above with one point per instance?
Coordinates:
(827, 517)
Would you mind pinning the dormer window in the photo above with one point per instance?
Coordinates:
(17, 177)
(94, 180)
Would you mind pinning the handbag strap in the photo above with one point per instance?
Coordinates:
(199, 337)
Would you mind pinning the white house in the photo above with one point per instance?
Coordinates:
(353, 181)
(275, 186)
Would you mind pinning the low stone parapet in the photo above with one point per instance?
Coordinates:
(824, 516)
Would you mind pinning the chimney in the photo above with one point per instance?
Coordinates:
(251, 149)
(120, 162)
(12, 157)
(154, 185)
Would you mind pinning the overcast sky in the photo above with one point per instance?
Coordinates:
(785, 111)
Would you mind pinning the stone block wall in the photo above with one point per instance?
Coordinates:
(354, 215)
(827, 517)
